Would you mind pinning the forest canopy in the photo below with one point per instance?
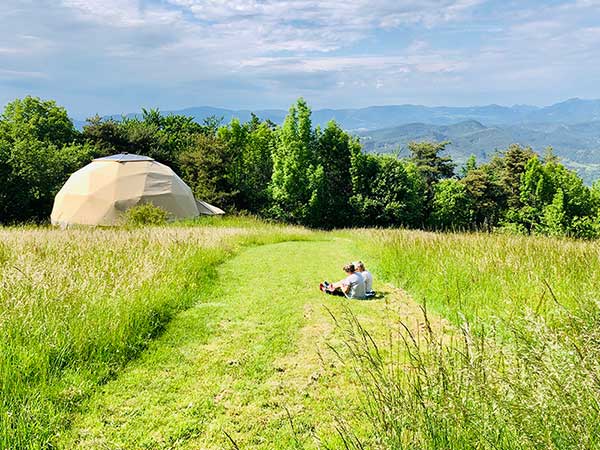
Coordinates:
(296, 173)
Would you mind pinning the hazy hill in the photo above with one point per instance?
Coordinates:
(578, 145)
(574, 110)
(375, 117)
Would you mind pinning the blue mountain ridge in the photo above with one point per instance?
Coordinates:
(375, 117)
(577, 145)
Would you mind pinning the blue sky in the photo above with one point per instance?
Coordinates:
(116, 56)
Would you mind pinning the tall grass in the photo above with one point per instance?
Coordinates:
(520, 371)
(430, 392)
(488, 276)
(76, 305)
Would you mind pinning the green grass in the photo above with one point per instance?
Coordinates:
(243, 361)
(77, 305)
(157, 337)
(520, 371)
(487, 276)
(211, 334)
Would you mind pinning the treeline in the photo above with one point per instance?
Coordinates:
(295, 173)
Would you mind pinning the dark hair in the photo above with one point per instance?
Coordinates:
(349, 268)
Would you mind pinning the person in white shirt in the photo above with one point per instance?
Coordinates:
(360, 269)
(353, 286)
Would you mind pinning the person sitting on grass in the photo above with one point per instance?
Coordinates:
(353, 286)
(360, 269)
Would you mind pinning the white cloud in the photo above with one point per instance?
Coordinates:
(19, 74)
(354, 14)
(313, 25)
(242, 53)
(121, 13)
(370, 64)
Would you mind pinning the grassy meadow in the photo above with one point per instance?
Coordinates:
(487, 276)
(212, 335)
(76, 305)
(520, 371)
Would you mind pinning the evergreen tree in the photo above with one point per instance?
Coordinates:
(206, 169)
(509, 165)
(426, 157)
(487, 198)
(432, 167)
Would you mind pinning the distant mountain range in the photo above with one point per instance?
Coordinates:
(571, 127)
(570, 111)
(578, 145)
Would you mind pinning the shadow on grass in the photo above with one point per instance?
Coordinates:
(380, 295)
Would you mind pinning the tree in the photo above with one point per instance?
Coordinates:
(163, 138)
(536, 191)
(555, 200)
(251, 146)
(293, 166)
(235, 137)
(432, 167)
(205, 168)
(595, 195)
(107, 137)
(37, 155)
(554, 217)
(486, 197)
(331, 181)
(38, 120)
(509, 165)
(426, 157)
(258, 165)
(471, 164)
(387, 191)
(578, 200)
(451, 205)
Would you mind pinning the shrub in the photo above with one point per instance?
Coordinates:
(146, 214)
(584, 227)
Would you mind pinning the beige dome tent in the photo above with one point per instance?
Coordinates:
(100, 192)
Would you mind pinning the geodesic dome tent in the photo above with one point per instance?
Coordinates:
(99, 193)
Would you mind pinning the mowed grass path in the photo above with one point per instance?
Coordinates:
(250, 360)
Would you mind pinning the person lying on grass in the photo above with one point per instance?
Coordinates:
(353, 286)
(360, 269)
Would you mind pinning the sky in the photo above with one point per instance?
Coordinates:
(117, 56)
